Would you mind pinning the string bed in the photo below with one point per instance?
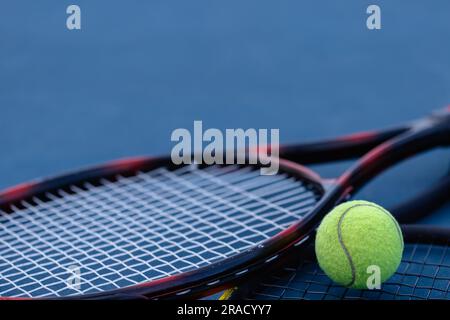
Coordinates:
(117, 233)
(424, 273)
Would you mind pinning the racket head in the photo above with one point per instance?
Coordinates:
(200, 277)
(139, 227)
(424, 273)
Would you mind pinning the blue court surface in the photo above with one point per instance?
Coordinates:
(138, 70)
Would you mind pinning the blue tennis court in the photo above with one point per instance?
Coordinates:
(137, 71)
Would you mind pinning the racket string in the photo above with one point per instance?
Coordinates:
(128, 230)
(222, 189)
(94, 239)
(230, 206)
(125, 233)
(424, 273)
(30, 262)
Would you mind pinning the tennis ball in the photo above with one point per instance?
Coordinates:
(355, 236)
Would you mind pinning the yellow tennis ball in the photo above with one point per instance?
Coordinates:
(358, 240)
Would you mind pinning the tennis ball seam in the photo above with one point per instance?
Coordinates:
(344, 247)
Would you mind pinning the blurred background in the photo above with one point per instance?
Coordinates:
(138, 70)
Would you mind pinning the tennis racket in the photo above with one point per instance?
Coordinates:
(424, 272)
(146, 228)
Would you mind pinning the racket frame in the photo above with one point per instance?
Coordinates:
(420, 136)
